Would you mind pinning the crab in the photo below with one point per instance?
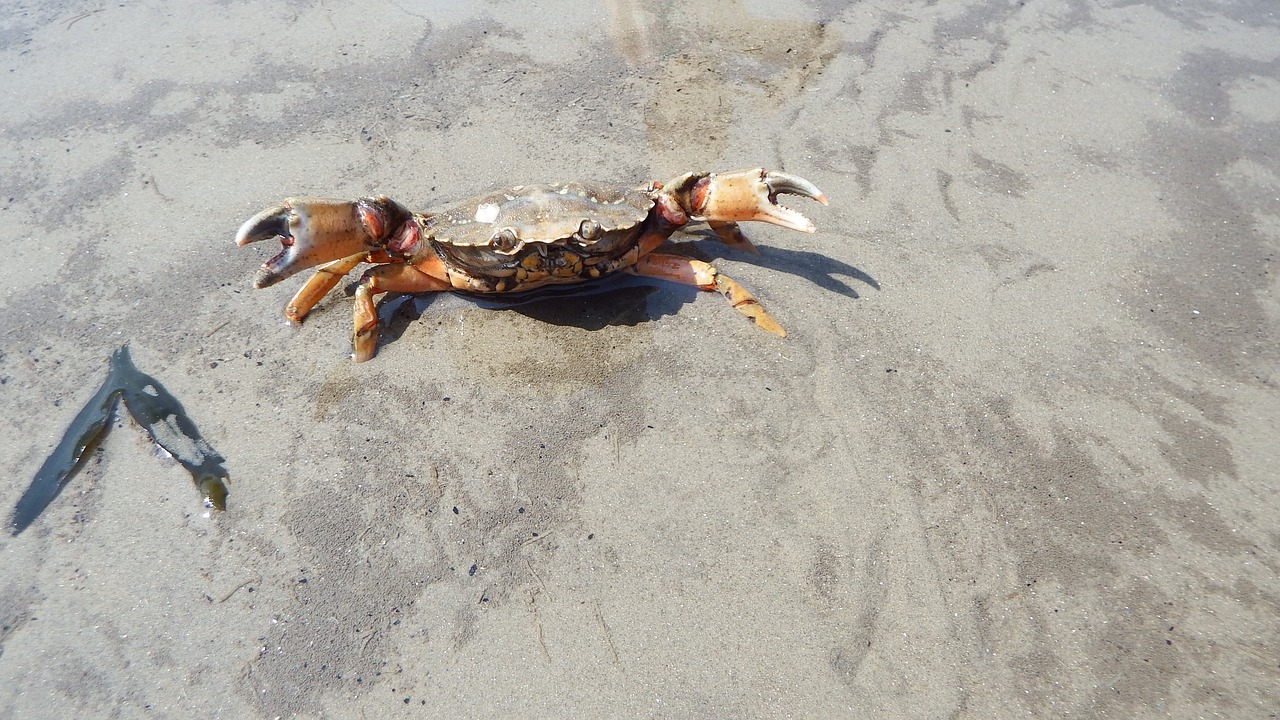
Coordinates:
(519, 239)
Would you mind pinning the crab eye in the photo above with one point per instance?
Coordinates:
(504, 240)
(589, 230)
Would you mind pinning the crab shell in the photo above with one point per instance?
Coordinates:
(534, 235)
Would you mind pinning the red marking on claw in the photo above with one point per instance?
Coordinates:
(371, 218)
(406, 239)
(698, 196)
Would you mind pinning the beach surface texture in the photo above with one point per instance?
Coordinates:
(1017, 456)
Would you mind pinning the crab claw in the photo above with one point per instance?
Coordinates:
(315, 231)
(752, 195)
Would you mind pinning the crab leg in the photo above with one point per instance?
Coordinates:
(381, 279)
(326, 277)
(319, 285)
(730, 234)
(704, 276)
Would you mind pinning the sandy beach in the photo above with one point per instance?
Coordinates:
(1017, 456)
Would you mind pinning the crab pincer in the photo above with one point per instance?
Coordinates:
(753, 195)
(315, 231)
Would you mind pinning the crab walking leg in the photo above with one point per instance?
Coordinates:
(384, 278)
(325, 279)
(730, 234)
(319, 285)
(704, 276)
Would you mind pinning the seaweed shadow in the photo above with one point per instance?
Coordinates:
(159, 414)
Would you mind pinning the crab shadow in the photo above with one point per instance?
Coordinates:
(819, 269)
(626, 299)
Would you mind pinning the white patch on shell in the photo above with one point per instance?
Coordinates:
(486, 213)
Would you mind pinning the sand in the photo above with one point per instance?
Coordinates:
(1017, 457)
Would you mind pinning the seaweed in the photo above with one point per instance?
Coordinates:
(151, 406)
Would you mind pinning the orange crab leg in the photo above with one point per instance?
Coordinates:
(325, 279)
(730, 234)
(381, 279)
(319, 285)
(704, 276)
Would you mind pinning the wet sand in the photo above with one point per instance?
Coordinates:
(1017, 457)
